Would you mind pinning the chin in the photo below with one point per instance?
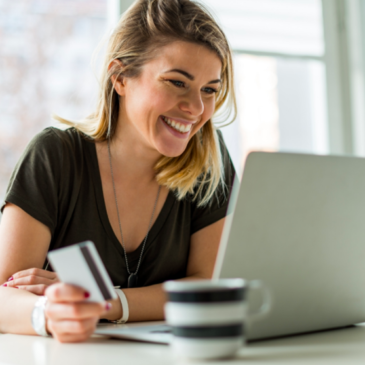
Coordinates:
(169, 153)
(171, 150)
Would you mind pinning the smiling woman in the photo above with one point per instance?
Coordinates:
(146, 177)
(170, 48)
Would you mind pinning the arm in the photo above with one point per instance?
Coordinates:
(23, 238)
(24, 243)
(146, 304)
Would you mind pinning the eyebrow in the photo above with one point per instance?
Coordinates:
(191, 77)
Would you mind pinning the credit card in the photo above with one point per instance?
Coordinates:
(81, 265)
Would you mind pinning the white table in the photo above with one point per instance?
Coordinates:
(343, 346)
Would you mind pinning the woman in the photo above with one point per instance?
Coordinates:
(146, 177)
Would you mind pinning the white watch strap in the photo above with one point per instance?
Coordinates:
(124, 302)
(38, 317)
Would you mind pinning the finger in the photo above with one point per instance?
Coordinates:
(35, 289)
(76, 311)
(61, 293)
(35, 272)
(79, 327)
(70, 338)
(72, 331)
(30, 280)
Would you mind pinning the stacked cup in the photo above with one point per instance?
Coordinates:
(207, 317)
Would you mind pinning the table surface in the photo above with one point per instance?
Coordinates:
(342, 346)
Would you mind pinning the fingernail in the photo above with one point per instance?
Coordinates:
(108, 306)
(86, 294)
(5, 284)
(11, 278)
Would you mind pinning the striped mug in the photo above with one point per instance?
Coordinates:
(207, 317)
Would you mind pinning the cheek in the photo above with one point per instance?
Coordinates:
(208, 113)
(209, 109)
(151, 102)
(162, 100)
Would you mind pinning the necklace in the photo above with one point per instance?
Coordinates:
(132, 278)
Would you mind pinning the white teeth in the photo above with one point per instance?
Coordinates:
(178, 126)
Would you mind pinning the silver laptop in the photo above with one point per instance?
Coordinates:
(297, 222)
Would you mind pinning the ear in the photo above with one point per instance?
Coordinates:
(117, 82)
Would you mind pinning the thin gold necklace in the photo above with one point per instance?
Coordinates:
(132, 278)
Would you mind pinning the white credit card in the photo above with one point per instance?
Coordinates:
(81, 265)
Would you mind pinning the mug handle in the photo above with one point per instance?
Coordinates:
(266, 299)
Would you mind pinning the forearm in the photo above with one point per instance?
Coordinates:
(15, 311)
(145, 304)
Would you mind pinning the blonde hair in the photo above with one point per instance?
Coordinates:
(145, 26)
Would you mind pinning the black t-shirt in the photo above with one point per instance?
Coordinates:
(57, 181)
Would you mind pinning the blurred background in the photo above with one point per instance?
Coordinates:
(299, 69)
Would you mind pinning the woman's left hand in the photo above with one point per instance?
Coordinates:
(33, 280)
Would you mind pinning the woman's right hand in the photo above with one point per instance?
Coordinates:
(68, 317)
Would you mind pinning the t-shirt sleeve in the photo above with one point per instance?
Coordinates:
(35, 181)
(216, 209)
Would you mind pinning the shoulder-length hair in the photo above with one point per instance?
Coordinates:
(144, 27)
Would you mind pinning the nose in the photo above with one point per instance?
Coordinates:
(192, 104)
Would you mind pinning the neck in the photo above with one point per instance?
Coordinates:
(132, 156)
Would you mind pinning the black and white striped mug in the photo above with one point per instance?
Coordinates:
(208, 317)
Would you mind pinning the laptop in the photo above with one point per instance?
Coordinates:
(296, 222)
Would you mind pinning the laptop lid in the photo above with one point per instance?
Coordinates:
(299, 226)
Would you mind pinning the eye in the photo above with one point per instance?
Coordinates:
(177, 83)
(210, 90)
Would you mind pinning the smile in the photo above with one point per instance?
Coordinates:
(182, 128)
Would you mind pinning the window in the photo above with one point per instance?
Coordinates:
(279, 73)
(299, 71)
(45, 53)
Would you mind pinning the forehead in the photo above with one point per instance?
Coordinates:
(198, 60)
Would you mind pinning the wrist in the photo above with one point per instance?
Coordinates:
(47, 323)
(115, 312)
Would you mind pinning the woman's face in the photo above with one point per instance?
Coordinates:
(173, 97)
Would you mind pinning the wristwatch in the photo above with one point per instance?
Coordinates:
(38, 316)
